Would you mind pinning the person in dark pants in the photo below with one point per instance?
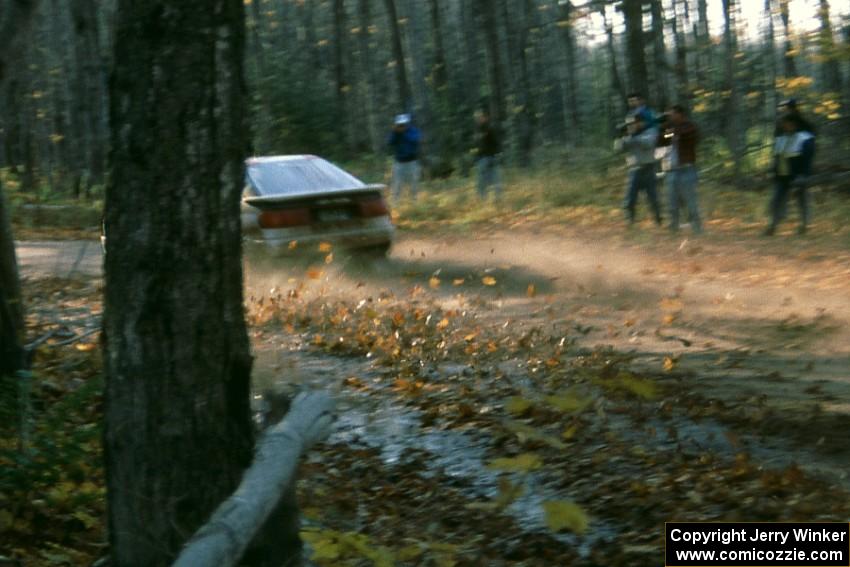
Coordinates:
(793, 155)
(639, 143)
(488, 148)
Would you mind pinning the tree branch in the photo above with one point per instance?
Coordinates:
(223, 540)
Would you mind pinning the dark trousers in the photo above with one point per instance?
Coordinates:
(782, 189)
(642, 178)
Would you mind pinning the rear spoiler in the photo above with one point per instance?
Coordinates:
(268, 200)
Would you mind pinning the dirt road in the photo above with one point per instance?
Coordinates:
(735, 355)
(740, 319)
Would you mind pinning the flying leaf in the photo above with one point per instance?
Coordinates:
(314, 273)
(669, 363)
(531, 291)
(457, 282)
(329, 258)
(517, 405)
(488, 280)
(568, 402)
(293, 244)
(562, 514)
(434, 282)
(526, 432)
(325, 247)
(640, 387)
(508, 492)
(570, 432)
(525, 462)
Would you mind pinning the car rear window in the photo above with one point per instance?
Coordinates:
(293, 176)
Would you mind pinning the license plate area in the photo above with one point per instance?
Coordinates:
(333, 215)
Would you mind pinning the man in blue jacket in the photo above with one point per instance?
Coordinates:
(405, 140)
(793, 155)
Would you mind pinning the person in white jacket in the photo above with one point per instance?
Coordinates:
(639, 143)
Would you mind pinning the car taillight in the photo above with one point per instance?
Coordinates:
(373, 207)
(284, 218)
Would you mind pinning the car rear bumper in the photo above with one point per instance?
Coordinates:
(374, 232)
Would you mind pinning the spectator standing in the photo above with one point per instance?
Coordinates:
(682, 136)
(793, 155)
(639, 143)
(637, 106)
(489, 146)
(405, 141)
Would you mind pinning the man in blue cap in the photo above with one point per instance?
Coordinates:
(405, 140)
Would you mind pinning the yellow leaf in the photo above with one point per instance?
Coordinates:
(314, 273)
(641, 387)
(293, 245)
(443, 324)
(457, 282)
(325, 247)
(669, 363)
(86, 347)
(526, 432)
(570, 432)
(329, 258)
(517, 405)
(562, 514)
(567, 402)
(508, 492)
(521, 463)
(6, 520)
(434, 282)
(531, 291)
(488, 280)
(409, 552)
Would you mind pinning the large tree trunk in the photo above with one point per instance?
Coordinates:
(88, 89)
(733, 127)
(487, 12)
(405, 98)
(368, 79)
(659, 55)
(178, 430)
(790, 63)
(683, 91)
(616, 82)
(565, 24)
(637, 73)
(344, 119)
(15, 17)
(830, 70)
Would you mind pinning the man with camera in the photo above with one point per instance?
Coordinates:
(681, 135)
(639, 142)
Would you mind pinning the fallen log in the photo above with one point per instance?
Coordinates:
(222, 541)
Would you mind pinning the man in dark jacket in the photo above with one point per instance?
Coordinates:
(489, 146)
(405, 140)
(793, 155)
(682, 136)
